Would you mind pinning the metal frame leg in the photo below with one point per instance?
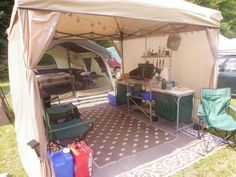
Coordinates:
(177, 113)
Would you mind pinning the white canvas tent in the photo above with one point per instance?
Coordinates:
(79, 49)
(35, 23)
(73, 58)
(227, 46)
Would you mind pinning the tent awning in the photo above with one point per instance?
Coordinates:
(103, 19)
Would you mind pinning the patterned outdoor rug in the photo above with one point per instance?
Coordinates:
(177, 160)
(117, 134)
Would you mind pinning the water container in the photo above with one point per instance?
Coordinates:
(82, 154)
(62, 162)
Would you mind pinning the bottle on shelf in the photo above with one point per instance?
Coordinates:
(159, 50)
(163, 51)
(145, 53)
(163, 84)
(149, 52)
(152, 52)
(167, 53)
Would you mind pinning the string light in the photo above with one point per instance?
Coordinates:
(92, 23)
(82, 18)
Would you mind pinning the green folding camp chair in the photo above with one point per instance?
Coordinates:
(74, 129)
(62, 112)
(213, 114)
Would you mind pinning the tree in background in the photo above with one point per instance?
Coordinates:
(5, 15)
(105, 44)
(228, 10)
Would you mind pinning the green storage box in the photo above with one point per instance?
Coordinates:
(166, 107)
(122, 94)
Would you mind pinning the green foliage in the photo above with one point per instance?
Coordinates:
(3, 70)
(5, 15)
(3, 61)
(228, 10)
(105, 44)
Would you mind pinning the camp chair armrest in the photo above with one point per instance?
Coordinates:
(52, 99)
(56, 98)
(75, 125)
(200, 111)
(233, 108)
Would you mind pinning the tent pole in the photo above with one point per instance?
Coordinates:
(70, 71)
(5, 106)
(122, 54)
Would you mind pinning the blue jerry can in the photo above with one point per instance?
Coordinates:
(62, 161)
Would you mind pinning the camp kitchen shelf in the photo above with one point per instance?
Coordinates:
(135, 99)
(160, 62)
(156, 56)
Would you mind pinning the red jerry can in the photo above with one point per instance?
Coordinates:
(82, 156)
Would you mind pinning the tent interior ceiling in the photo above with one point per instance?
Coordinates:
(105, 27)
(116, 19)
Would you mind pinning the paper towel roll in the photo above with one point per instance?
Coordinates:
(164, 74)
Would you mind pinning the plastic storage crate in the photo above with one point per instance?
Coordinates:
(148, 96)
(112, 98)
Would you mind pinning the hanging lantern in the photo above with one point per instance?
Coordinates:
(173, 41)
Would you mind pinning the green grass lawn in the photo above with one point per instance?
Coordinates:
(233, 103)
(5, 87)
(9, 158)
(6, 90)
(219, 164)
